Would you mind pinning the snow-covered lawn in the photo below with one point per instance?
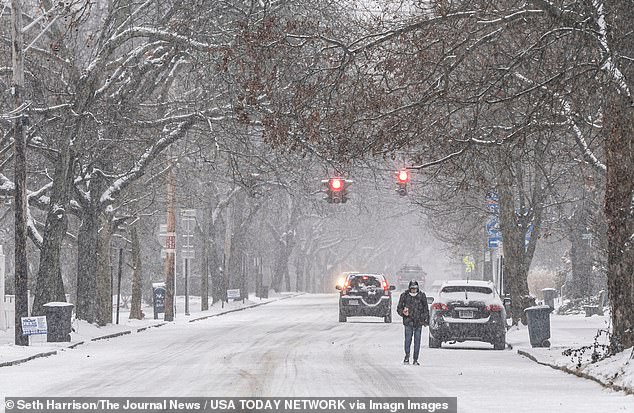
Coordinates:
(84, 332)
(573, 339)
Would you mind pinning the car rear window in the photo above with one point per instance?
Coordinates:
(364, 281)
(467, 288)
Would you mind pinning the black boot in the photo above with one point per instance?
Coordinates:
(406, 360)
(415, 363)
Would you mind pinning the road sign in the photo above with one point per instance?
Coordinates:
(469, 263)
(493, 227)
(494, 242)
(170, 242)
(492, 202)
(188, 253)
(233, 294)
(34, 325)
(158, 298)
(188, 213)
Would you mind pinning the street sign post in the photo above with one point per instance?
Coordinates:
(188, 218)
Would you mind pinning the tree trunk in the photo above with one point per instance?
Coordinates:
(580, 256)
(619, 196)
(244, 273)
(226, 260)
(87, 265)
(215, 274)
(204, 274)
(87, 245)
(280, 269)
(515, 269)
(50, 285)
(137, 278)
(214, 260)
(257, 268)
(619, 212)
(300, 271)
(287, 277)
(104, 274)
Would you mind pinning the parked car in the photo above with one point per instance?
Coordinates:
(467, 310)
(365, 295)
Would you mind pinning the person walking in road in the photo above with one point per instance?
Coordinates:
(412, 306)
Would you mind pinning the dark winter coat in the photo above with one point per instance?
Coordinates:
(418, 310)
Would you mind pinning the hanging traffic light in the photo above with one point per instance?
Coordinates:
(402, 179)
(336, 189)
(336, 184)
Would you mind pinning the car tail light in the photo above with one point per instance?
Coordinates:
(439, 307)
(346, 285)
(493, 308)
(385, 286)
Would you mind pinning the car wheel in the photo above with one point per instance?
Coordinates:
(433, 343)
(388, 318)
(500, 343)
(342, 318)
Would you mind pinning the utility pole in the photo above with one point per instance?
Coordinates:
(119, 282)
(3, 321)
(170, 245)
(226, 262)
(19, 161)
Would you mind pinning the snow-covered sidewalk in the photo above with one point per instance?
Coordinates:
(10, 354)
(574, 339)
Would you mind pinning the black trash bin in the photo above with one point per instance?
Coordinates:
(539, 325)
(58, 321)
(549, 296)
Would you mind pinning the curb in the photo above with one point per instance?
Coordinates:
(122, 333)
(119, 334)
(138, 330)
(577, 373)
(35, 356)
(244, 308)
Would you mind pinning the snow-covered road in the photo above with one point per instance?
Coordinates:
(296, 347)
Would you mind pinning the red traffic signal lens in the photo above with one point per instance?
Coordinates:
(403, 175)
(336, 184)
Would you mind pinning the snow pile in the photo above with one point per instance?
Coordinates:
(580, 346)
(614, 371)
